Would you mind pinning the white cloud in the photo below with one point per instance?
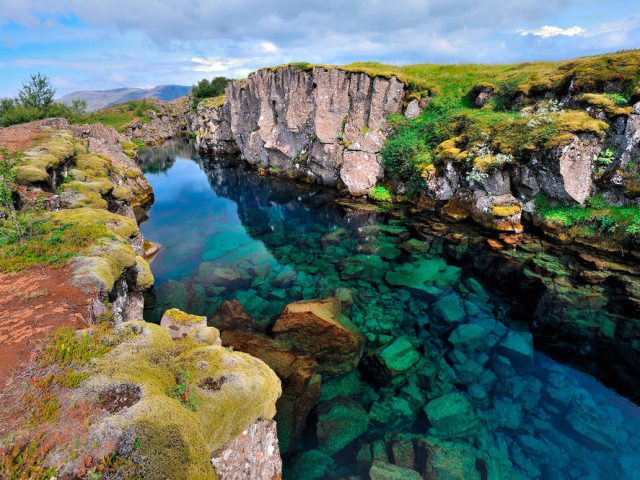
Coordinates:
(268, 47)
(214, 64)
(549, 31)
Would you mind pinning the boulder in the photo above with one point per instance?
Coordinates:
(517, 347)
(340, 423)
(319, 328)
(426, 274)
(413, 109)
(449, 460)
(299, 377)
(183, 325)
(392, 360)
(388, 471)
(231, 315)
(450, 309)
(452, 415)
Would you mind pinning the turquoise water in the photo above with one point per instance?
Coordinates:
(466, 379)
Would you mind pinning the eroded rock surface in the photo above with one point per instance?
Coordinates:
(326, 125)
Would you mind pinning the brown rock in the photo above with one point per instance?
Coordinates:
(320, 329)
(231, 315)
(300, 381)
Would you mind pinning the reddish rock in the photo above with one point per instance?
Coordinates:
(320, 329)
(300, 381)
(231, 315)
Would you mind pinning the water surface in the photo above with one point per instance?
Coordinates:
(229, 234)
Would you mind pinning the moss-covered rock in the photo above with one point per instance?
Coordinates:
(142, 274)
(190, 399)
(38, 162)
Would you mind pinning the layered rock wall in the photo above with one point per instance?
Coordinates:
(326, 125)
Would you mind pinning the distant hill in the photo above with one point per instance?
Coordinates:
(104, 98)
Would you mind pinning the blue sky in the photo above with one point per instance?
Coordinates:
(94, 45)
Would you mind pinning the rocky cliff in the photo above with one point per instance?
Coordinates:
(322, 124)
(492, 145)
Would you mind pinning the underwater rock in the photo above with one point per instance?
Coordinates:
(211, 273)
(340, 423)
(300, 381)
(391, 360)
(450, 309)
(469, 336)
(310, 465)
(517, 347)
(320, 329)
(388, 471)
(452, 415)
(450, 460)
(231, 315)
(426, 275)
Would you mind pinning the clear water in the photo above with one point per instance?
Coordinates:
(226, 233)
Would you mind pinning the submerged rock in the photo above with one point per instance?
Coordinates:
(319, 328)
(452, 415)
(426, 274)
(388, 471)
(517, 347)
(340, 422)
(392, 360)
(300, 381)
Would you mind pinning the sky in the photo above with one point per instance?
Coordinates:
(98, 45)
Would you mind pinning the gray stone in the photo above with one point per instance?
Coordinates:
(253, 454)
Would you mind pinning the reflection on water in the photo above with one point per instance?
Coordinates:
(463, 380)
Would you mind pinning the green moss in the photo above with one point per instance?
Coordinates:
(604, 102)
(597, 218)
(53, 241)
(233, 391)
(380, 194)
(213, 102)
(179, 316)
(122, 193)
(37, 162)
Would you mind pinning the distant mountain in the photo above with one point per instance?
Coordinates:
(104, 98)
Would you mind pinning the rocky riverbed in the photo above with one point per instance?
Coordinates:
(407, 346)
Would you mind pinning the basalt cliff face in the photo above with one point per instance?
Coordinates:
(325, 125)
(329, 126)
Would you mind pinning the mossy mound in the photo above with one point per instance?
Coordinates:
(38, 162)
(192, 399)
(111, 254)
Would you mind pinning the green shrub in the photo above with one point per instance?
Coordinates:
(206, 88)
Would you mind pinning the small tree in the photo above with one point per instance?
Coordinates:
(37, 93)
(6, 105)
(79, 107)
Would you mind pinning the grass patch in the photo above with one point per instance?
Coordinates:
(120, 116)
(597, 217)
(51, 243)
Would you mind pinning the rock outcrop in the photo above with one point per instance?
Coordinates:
(326, 125)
